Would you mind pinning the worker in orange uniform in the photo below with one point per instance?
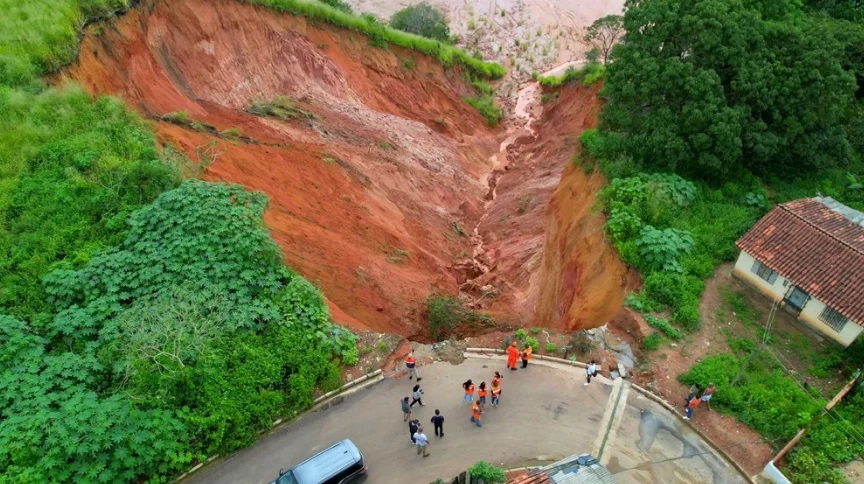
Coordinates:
(476, 411)
(411, 364)
(468, 386)
(512, 354)
(496, 388)
(526, 355)
(481, 394)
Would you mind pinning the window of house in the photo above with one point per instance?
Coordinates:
(764, 272)
(832, 318)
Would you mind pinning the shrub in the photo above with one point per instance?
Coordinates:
(445, 312)
(652, 341)
(488, 473)
(551, 348)
(520, 334)
(487, 107)
(533, 343)
(422, 19)
(338, 5)
(664, 326)
(671, 289)
(580, 343)
(663, 248)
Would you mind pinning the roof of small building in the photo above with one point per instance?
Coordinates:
(818, 245)
(576, 469)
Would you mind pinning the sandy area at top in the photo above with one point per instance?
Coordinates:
(525, 35)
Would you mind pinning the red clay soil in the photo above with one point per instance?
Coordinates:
(542, 232)
(364, 196)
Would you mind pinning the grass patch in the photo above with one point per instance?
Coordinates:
(589, 75)
(446, 53)
(281, 107)
(487, 107)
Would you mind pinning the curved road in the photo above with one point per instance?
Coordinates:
(545, 411)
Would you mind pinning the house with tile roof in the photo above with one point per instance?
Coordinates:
(808, 255)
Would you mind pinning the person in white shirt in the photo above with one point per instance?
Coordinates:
(421, 440)
(592, 371)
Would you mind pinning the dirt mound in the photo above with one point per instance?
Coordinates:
(375, 167)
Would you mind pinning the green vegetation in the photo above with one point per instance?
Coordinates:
(445, 52)
(777, 406)
(663, 325)
(486, 106)
(589, 75)
(166, 348)
(488, 473)
(422, 19)
(652, 341)
(444, 313)
(282, 107)
(730, 87)
(551, 348)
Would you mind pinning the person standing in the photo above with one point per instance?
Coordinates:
(417, 393)
(468, 386)
(438, 422)
(694, 402)
(411, 364)
(476, 412)
(709, 392)
(526, 355)
(421, 440)
(512, 354)
(481, 394)
(496, 392)
(406, 410)
(413, 427)
(591, 371)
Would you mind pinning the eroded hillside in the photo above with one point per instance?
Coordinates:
(378, 172)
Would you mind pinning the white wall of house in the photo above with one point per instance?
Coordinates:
(810, 313)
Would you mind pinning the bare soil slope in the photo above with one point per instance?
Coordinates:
(365, 193)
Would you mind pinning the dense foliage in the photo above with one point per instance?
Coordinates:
(705, 88)
(382, 34)
(185, 340)
(422, 19)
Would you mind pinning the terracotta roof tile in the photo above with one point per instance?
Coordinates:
(817, 249)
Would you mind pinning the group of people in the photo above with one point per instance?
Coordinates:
(694, 399)
(513, 354)
(415, 430)
(479, 406)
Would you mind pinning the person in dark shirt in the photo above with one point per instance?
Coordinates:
(413, 427)
(438, 422)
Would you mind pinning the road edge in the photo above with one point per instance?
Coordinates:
(321, 403)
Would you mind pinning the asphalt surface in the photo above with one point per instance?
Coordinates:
(545, 412)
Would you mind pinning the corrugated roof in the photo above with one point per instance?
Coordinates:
(817, 245)
(576, 469)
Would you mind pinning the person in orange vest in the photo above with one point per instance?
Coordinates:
(481, 394)
(512, 354)
(476, 412)
(526, 355)
(496, 388)
(468, 386)
(411, 364)
(694, 402)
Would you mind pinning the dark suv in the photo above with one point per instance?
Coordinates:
(341, 463)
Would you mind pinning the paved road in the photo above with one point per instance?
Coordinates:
(545, 411)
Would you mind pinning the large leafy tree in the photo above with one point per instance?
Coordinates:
(705, 87)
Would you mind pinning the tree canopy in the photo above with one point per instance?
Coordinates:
(422, 19)
(706, 87)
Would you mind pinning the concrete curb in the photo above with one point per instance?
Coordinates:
(486, 351)
(319, 403)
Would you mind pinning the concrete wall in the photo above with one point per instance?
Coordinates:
(812, 308)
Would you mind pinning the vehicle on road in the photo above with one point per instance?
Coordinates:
(341, 463)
